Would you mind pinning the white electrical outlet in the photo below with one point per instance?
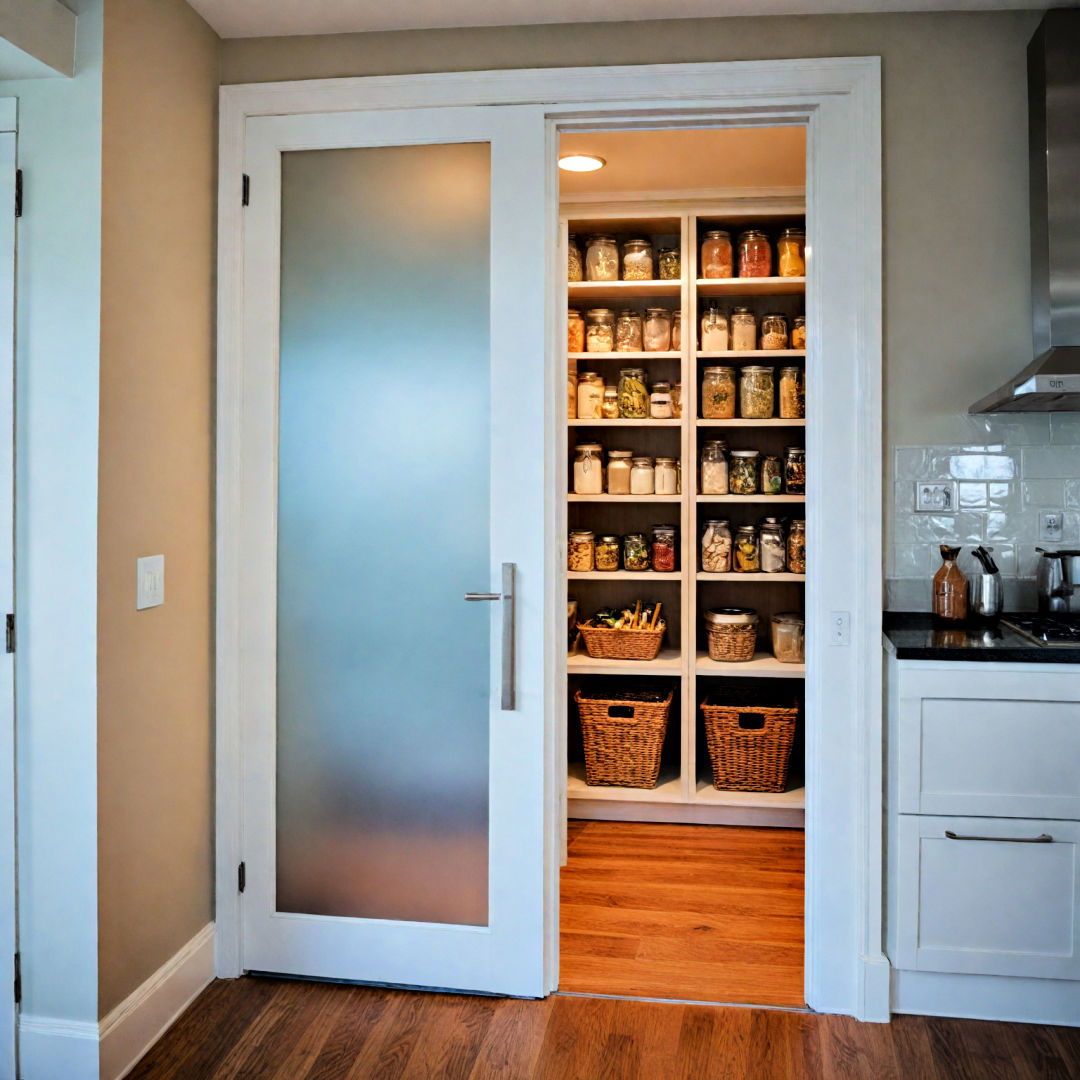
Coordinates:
(839, 627)
(1052, 526)
(149, 582)
(935, 498)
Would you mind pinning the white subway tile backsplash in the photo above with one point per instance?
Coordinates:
(1002, 496)
(1072, 494)
(971, 495)
(1051, 462)
(966, 465)
(912, 463)
(1044, 493)
(1065, 428)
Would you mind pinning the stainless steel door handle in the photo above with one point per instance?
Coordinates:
(1043, 838)
(508, 632)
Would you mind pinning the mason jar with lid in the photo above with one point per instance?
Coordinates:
(670, 264)
(633, 394)
(676, 330)
(796, 547)
(575, 331)
(635, 552)
(718, 393)
(716, 255)
(791, 252)
(756, 392)
(798, 332)
(772, 475)
(743, 472)
(602, 259)
(588, 469)
(574, 269)
(637, 260)
(663, 548)
(714, 467)
(774, 333)
(715, 330)
(581, 552)
(590, 396)
(618, 472)
(610, 407)
(607, 553)
(795, 470)
(628, 332)
(643, 477)
(755, 254)
(792, 393)
(599, 330)
(716, 547)
(771, 546)
(666, 476)
(657, 329)
(660, 401)
(747, 555)
(743, 330)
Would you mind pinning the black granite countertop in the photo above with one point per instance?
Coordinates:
(915, 636)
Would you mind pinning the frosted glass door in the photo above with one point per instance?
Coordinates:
(391, 460)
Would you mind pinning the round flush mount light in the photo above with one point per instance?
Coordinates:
(581, 163)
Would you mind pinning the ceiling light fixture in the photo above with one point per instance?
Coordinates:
(581, 163)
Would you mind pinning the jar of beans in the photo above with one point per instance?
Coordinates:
(663, 548)
(755, 254)
(774, 333)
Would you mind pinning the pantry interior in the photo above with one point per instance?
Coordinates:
(685, 511)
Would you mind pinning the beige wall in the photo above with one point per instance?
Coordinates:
(956, 261)
(154, 666)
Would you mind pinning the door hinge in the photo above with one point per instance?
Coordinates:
(18, 978)
(18, 192)
(245, 191)
(9, 633)
(241, 877)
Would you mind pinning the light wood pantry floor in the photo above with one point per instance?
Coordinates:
(688, 912)
(271, 1028)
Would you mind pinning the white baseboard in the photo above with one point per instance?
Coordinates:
(875, 993)
(142, 1018)
(51, 1048)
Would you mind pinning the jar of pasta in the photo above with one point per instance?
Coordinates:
(771, 548)
(676, 330)
(588, 469)
(714, 467)
(581, 552)
(663, 548)
(610, 408)
(643, 477)
(666, 476)
(796, 547)
(628, 332)
(657, 329)
(756, 392)
(772, 475)
(571, 389)
(718, 393)
(635, 552)
(618, 472)
(747, 555)
(633, 394)
(716, 255)
(637, 261)
(590, 396)
(660, 401)
(602, 259)
(607, 553)
(574, 269)
(798, 332)
(791, 253)
(715, 336)
(774, 333)
(575, 331)
(795, 470)
(755, 254)
(599, 330)
(670, 264)
(743, 330)
(792, 393)
(743, 472)
(716, 547)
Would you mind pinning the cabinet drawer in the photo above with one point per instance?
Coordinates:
(997, 906)
(980, 754)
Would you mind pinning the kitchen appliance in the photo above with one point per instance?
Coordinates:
(1056, 579)
(1051, 383)
(1061, 631)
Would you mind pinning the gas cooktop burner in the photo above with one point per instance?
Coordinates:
(1060, 630)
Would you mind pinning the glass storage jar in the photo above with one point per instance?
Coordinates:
(718, 393)
(588, 469)
(635, 552)
(602, 259)
(798, 332)
(657, 329)
(581, 552)
(774, 333)
(676, 331)
(666, 479)
(571, 389)
(575, 331)
(643, 477)
(747, 557)
(716, 547)
(574, 269)
(772, 475)
(670, 264)
(714, 467)
(796, 547)
(755, 254)
(756, 392)
(789, 637)
(611, 403)
(663, 548)
(771, 546)
(660, 401)
(715, 331)
(618, 472)
(792, 393)
(607, 552)
(676, 401)
(590, 396)
(743, 472)
(633, 394)
(743, 330)
(791, 253)
(628, 332)
(795, 470)
(716, 255)
(637, 260)
(599, 330)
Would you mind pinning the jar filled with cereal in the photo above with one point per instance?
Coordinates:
(743, 472)
(618, 472)
(602, 259)
(792, 393)
(747, 554)
(791, 253)
(717, 259)
(670, 264)
(581, 553)
(607, 553)
(574, 268)
(657, 329)
(663, 548)
(633, 394)
(756, 392)
(743, 330)
(716, 547)
(718, 393)
(637, 261)
(628, 331)
(774, 333)
(755, 254)
(715, 333)
(798, 332)
(714, 467)
(635, 552)
(796, 547)
(600, 330)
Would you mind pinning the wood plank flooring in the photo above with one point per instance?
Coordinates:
(690, 912)
(274, 1029)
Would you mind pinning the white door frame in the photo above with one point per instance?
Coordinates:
(846, 969)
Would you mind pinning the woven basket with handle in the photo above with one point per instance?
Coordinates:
(604, 643)
(749, 744)
(623, 739)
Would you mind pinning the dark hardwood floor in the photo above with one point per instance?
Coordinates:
(273, 1029)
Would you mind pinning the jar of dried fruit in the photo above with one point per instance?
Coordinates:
(756, 392)
(628, 331)
(602, 259)
(637, 261)
(716, 547)
(743, 472)
(574, 269)
(718, 393)
(791, 252)
(774, 333)
(755, 254)
(581, 553)
(663, 548)
(743, 330)
(716, 255)
(599, 330)
(714, 467)
(747, 558)
(670, 264)
(607, 553)
(792, 393)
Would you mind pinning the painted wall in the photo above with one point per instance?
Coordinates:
(157, 307)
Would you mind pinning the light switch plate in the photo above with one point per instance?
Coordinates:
(1052, 526)
(935, 498)
(149, 581)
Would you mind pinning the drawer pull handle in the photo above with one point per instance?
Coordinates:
(1044, 838)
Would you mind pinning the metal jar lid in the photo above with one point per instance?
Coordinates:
(599, 313)
(718, 234)
(731, 615)
(758, 369)
(746, 453)
(620, 454)
(789, 618)
(591, 447)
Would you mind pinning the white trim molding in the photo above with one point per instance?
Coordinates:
(49, 1047)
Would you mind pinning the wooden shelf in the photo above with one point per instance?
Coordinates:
(637, 575)
(628, 290)
(765, 286)
(669, 662)
(793, 799)
(668, 787)
(751, 498)
(704, 576)
(747, 423)
(624, 423)
(763, 666)
(750, 355)
(628, 498)
(625, 356)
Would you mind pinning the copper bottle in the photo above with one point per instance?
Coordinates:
(950, 588)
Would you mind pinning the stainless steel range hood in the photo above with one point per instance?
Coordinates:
(1051, 383)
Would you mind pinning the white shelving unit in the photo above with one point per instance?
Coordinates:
(684, 792)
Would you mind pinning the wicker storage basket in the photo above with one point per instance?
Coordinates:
(749, 743)
(732, 642)
(623, 737)
(603, 643)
